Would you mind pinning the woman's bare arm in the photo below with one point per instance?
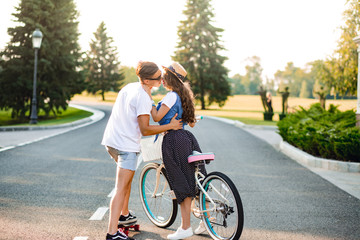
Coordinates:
(158, 115)
(146, 129)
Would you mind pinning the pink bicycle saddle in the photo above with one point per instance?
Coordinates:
(197, 156)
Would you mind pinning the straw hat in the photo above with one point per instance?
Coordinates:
(178, 70)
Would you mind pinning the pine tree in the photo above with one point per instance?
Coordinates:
(103, 66)
(198, 51)
(59, 58)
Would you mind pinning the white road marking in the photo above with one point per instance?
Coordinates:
(99, 214)
(112, 193)
(7, 148)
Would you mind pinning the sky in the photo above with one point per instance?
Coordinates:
(277, 31)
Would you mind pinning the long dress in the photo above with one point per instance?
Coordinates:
(176, 147)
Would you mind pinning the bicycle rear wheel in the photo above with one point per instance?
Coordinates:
(159, 206)
(227, 220)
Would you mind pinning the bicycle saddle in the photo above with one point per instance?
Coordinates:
(197, 156)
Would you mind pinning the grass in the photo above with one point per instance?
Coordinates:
(71, 114)
(245, 108)
(251, 121)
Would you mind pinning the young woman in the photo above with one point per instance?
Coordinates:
(178, 145)
(128, 121)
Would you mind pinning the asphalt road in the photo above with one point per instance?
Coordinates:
(49, 189)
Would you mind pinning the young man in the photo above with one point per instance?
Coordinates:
(128, 121)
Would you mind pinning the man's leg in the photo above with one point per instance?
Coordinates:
(125, 208)
(122, 188)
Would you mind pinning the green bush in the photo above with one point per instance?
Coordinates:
(330, 134)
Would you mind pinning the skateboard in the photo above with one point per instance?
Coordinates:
(126, 227)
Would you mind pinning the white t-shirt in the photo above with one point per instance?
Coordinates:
(169, 99)
(122, 131)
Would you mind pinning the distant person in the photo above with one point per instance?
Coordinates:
(269, 102)
(128, 121)
(285, 96)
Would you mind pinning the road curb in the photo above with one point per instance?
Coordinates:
(97, 115)
(298, 155)
(63, 128)
(308, 160)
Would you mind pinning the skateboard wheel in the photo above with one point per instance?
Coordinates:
(126, 231)
(137, 228)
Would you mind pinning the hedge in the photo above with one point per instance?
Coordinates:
(329, 134)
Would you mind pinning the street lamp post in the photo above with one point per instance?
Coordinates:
(357, 40)
(36, 40)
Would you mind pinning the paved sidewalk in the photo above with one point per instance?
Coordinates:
(347, 181)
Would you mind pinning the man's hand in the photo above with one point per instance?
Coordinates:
(175, 124)
(147, 89)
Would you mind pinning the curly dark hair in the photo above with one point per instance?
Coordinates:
(185, 93)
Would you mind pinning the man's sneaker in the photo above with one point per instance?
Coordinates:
(181, 233)
(117, 236)
(201, 228)
(127, 219)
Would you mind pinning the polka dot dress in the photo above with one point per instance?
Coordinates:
(176, 147)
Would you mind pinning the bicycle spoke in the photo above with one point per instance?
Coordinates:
(222, 223)
(158, 205)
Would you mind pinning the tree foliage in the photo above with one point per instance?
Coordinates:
(59, 58)
(102, 64)
(320, 72)
(237, 87)
(252, 79)
(130, 75)
(293, 77)
(343, 65)
(304, 92)
(198, 51)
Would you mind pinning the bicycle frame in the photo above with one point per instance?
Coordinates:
(158, 172)
(198, 177)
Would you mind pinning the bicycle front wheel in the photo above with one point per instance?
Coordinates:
(225, 219)
(157, 202)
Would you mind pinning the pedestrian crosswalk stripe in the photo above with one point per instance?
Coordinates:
(112, 193)
(99, 214)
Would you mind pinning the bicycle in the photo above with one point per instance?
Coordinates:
(218, 203)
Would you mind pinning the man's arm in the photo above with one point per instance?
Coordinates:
(146, 129)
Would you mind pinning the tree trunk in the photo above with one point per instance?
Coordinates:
(202, 94)
(202, 103)
(103, 95)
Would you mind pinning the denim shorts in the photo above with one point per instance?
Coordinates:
(125, 160)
